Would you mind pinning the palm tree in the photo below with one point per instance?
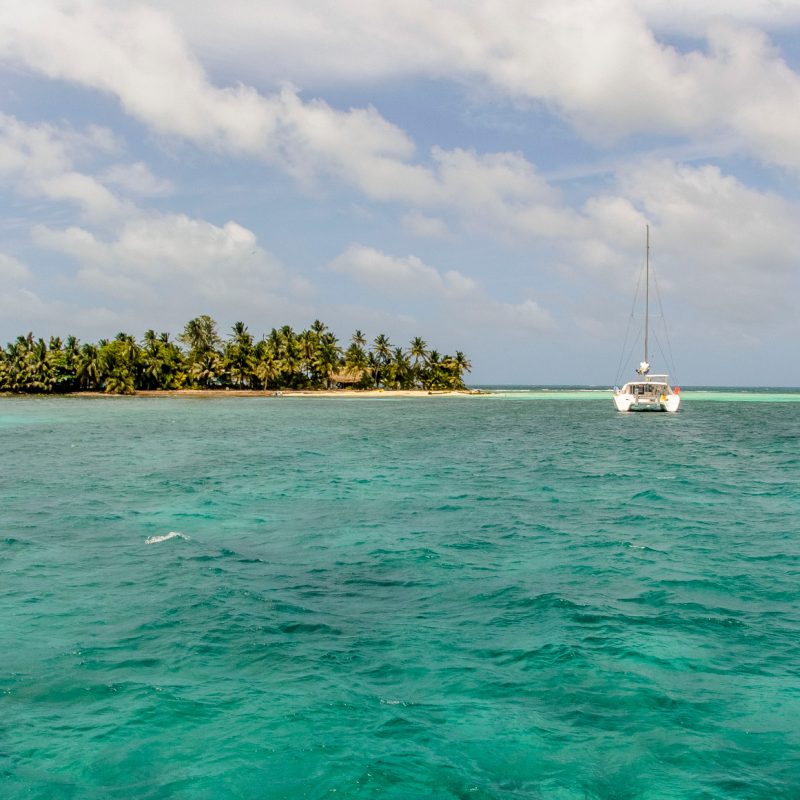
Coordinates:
(241, 335)
(72, 346)
(286, 334)
(307, 346)
(419, 352)
(88, 371)
(120, 364)
(355, 358)
(328, 358)
(240, 366)
(13, 366)
(400, 370)
(207, 369)
(356, 364)
(200, 336)
(238, 356)
(462, 364)
(267, 366)
(382, 350)
(283, 358)
(63, 360)
(432, 372)
(39, 373)
(152, 362)
(374, 369)
(149, 340)
(120, 383)
(290, 359)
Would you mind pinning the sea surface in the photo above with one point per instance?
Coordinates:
(520, 595)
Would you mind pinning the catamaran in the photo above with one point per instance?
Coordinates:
(651, 392)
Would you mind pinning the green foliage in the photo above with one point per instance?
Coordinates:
(283, 359)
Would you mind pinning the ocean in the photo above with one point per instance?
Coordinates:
(522, 595)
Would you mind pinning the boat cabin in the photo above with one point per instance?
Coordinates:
(646, 388)
(651, 386)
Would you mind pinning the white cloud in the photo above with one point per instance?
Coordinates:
(620, 80)
(94, 198)
(457, 298)
(38, 160)
(499, 193)
(135, 53)
(424, 226)
(518, 318)
(12, 270)
(724, 253)
(314, 134)
(690, 17)
(137, 179)
(731, 248)
(24, 310)
(407, 276)
(173, 260)
(748, 87)
(600, 65)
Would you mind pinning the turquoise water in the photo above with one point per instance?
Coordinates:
(470, 597)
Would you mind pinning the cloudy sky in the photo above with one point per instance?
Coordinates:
(475, 172)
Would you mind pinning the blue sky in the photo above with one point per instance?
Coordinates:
(476, 173)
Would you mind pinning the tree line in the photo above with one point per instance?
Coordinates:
(202, 359)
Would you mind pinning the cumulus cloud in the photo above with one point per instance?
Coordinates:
(689, 17)
(723, 252)
(174, 259)
(730, 248)
(138, 55)
(620, 79)
(407, 276)
(455, 296)
(501, 193)
(12, 270)
(136, 179)
(133, 52)
(24, 308)
(39, 161)
(424, 226)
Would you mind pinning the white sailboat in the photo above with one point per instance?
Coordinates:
(651, 392)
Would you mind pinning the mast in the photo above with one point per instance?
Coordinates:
(647, 295)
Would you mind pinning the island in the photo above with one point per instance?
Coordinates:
(201, 361)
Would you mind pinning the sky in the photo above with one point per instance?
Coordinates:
(479, 173)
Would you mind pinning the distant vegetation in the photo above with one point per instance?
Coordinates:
(284, 359)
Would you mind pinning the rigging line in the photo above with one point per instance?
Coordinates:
(661, 350)
(669, 359)
(623, 358)
(627, 356)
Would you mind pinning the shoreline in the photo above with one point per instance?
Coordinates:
(208, 393)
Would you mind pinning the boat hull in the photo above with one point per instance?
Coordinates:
(625, 401)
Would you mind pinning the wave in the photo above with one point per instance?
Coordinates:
(165, 537)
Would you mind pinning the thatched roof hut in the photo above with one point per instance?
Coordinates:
(347, 377)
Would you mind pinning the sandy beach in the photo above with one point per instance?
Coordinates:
(355, 393)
